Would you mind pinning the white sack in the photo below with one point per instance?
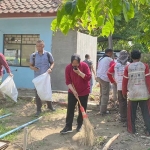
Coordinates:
(8, 87)
(43, 86)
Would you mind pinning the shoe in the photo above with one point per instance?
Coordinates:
(51, 107)
(78, 129)
(37, 113)
(66, 130)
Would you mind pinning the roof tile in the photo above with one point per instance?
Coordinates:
(24, 6)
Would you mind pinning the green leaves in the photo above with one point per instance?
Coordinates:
(143, 1)
(70, 7)
(116, 7)
(128, 10)
(107, 29)
(94, 14)
(100, 21)
(81, 5)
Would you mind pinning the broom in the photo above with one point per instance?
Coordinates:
(88, 128)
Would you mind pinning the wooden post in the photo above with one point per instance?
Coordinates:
(25, 140)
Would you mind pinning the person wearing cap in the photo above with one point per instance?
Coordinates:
(115, 75)
(78, 77)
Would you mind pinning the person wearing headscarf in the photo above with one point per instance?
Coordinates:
(78, 77)
(115, 75)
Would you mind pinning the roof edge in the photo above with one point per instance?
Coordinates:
(25, 15)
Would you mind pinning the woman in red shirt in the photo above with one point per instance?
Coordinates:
(77, 74)
(3, 63)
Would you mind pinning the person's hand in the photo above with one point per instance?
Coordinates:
(10, 74)
(49, 70)
(115, 83)
(75, 94)
(77, 71)
(95, 78)
(35, 69)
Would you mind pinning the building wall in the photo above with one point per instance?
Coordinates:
(87, 44)
(23, 76)
(62, 49)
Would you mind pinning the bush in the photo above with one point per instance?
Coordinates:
(146, 58)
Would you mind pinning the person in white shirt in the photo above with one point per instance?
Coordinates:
(103, 66)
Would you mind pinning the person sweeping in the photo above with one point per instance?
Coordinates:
(78, 77)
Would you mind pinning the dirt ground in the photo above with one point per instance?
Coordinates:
(44, 134)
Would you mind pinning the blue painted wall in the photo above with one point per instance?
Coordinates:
(23, 76)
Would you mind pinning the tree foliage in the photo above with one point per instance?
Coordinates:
(94, 15)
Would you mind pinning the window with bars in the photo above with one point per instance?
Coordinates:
(19, 47)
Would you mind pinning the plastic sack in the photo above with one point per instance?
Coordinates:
(8, 87)
(42, 84)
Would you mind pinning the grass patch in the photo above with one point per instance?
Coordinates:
(96, 89)
(60, 111)
(3, 111)
(4, 129)
(100, 140)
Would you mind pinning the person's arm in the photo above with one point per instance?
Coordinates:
(92, 68)
(147, 77)
(111, 63)
(125, 82)
(110, 73)
(51, 63)
(4, 63)
(51, 67)
(69, 81)
(32, 67)
(86, 74)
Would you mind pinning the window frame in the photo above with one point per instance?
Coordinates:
(21, 44)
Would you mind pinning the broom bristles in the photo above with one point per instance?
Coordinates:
(89, 132)
(88, 129)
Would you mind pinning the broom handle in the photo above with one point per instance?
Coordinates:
(77, 97)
